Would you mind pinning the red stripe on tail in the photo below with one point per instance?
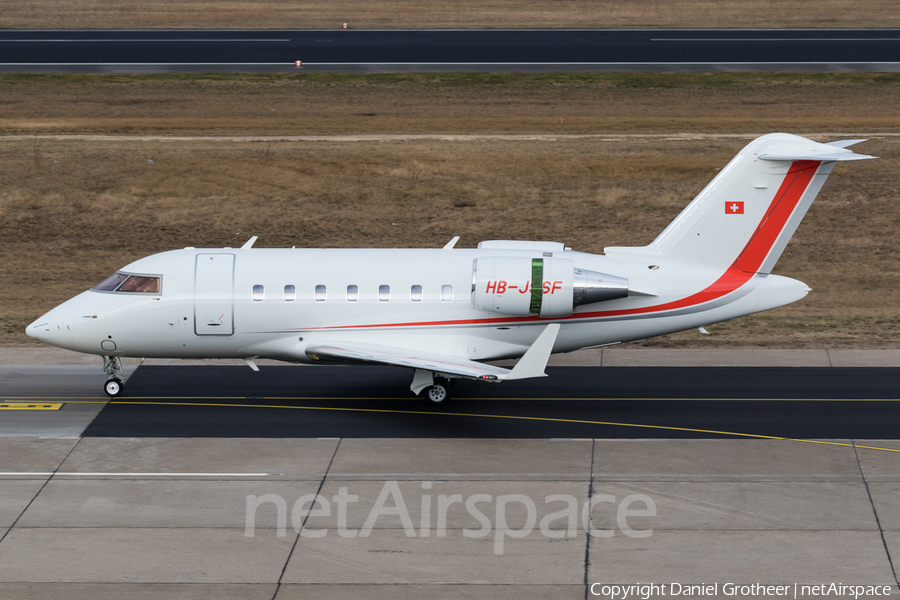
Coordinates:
(781, 209)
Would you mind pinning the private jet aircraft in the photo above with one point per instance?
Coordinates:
(445, 312)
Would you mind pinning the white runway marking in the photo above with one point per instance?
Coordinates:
(602, 137)
(283, 64)
(468, 64)
(93, 41)
(47, 474)
(893, 39)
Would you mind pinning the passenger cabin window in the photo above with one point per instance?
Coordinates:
(258, 293)
(290, 293)
(352, 293)
(320, 293)
(133, 284)
(384, 293)
(446, 293)
(415, 293)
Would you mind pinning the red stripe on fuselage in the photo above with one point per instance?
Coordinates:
(740, 272)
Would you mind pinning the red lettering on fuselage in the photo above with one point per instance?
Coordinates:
(551, 286)
(501, 287)
(498, 287)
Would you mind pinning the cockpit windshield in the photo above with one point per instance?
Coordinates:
(111, 283)
(124, 282)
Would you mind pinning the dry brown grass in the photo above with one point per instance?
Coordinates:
(69, 211)
(322, 103)
(329, 14)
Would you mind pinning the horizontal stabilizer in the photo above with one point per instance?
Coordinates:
(794, 148)
(845, 143)
(823, 157)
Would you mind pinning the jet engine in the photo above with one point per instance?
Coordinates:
(546, 287)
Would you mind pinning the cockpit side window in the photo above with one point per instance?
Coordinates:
(133, 284)
(141, 285)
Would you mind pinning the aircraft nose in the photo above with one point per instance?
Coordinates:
(40, 329)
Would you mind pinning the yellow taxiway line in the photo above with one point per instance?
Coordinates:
(31, 405)
(161, 400)
(101, 400)
(512, 417)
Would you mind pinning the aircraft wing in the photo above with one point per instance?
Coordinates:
(532, 364)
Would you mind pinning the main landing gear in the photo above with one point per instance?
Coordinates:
(116, 382)
(438, 393)
(437, 389)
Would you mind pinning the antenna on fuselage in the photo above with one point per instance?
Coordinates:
(249, 243)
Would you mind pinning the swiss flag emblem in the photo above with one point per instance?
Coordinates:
(734, 208)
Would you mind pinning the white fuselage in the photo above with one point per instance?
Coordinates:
(189, 317)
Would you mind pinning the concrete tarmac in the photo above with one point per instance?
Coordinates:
(76, 385)
(200, 518)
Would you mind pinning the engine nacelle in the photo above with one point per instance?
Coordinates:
(548, 287)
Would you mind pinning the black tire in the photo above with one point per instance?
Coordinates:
(114, 387)
(437, 394)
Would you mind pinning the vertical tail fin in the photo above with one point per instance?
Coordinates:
(745, 217)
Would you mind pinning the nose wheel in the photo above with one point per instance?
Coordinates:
(114, 387)
(116, 382)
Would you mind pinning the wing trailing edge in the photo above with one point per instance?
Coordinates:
(532, 364)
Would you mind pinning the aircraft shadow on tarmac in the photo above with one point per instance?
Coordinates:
(573, 402)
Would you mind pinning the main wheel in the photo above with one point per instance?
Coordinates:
(437, 393)
(114, 387)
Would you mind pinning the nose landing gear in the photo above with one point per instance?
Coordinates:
(114, 387)
(116, 382)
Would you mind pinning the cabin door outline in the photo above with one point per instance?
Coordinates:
(214, 294)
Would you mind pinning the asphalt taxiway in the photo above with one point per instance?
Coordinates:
(572, 402)
(375, 402)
